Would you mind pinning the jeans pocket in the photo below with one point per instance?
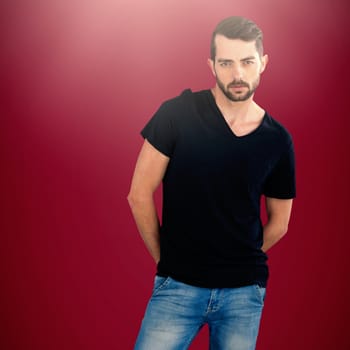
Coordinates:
(160, 283)
(261, 293)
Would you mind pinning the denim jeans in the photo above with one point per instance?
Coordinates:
(177, 311)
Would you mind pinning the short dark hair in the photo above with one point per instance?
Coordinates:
(237, 27)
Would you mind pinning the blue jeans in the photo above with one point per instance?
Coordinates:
(177, 311)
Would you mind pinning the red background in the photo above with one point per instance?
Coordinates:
(79, 79)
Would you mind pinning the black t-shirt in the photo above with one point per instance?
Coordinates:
(211, 233)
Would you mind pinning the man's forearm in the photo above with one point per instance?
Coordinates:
(146, 218)
(273, 232)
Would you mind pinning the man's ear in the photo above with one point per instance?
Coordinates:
(264, 61)
(211, 66)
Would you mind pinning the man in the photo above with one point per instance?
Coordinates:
(216, 152)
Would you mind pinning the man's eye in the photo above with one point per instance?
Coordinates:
(248, 62)
(224, 64)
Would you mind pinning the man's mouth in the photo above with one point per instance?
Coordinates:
(237, 86)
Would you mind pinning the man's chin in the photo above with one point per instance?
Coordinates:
(237, 97)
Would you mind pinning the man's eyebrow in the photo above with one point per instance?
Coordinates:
(224, 60)
(248, 58)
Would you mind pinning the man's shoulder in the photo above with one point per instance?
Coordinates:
(185, 97)
(277, 128)
(185, 104)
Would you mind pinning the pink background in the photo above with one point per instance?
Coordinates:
(79, 79)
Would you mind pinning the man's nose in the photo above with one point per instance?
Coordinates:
(237, 72)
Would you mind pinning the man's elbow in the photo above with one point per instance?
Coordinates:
(273, 232)
(133, 199)
(277, 228)
(130, 199)
(283, 230)
(136, 198)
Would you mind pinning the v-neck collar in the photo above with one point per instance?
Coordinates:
(223, 120)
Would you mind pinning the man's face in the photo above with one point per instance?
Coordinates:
(237, 67)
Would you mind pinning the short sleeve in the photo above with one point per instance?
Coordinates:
(160, 130)
(281, 181)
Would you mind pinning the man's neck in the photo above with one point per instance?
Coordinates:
(236, 112)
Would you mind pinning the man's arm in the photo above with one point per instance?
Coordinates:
(149, 171)
(278, 213)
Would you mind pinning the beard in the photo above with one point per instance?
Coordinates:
(241, 96)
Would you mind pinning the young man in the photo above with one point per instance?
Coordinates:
(216, 152)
